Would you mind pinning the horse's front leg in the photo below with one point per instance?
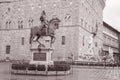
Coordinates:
(34, 38)
(31, 38)
(52, 40)
(37, 38)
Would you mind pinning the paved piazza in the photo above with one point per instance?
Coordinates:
(78, 74)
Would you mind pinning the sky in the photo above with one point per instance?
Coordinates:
(111, 13)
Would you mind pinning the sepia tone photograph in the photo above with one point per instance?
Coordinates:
(59, 40)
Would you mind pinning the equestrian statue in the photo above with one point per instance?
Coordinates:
(47, 28)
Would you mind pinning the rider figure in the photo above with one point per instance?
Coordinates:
(44, 22)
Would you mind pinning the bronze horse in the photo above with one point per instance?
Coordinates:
(40, 31)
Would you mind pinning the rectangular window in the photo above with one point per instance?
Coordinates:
(8, 49)
(63, 40)
(23, 39)
(83, 40)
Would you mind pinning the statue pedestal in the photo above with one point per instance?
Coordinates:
(42, 55)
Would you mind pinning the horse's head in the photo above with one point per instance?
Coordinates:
(54, 23)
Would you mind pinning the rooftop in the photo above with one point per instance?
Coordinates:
(107, 25)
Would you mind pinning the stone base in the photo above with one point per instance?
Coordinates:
(41, 51)
(42, 73)
(42, 57)
(58, 68)
(42, 62)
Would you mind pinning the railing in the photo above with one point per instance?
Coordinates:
(58, 66)
(104, 64)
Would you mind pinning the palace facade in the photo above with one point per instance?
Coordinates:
(80, 21)
(111, 41)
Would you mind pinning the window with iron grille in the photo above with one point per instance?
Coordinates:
(23, 40)
(83, 40)
(63, 40)
(8, 49)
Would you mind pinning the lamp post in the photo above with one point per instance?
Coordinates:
(72, 57)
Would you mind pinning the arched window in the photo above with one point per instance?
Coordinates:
(20, 24)
(30, 22)
(8, 23)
